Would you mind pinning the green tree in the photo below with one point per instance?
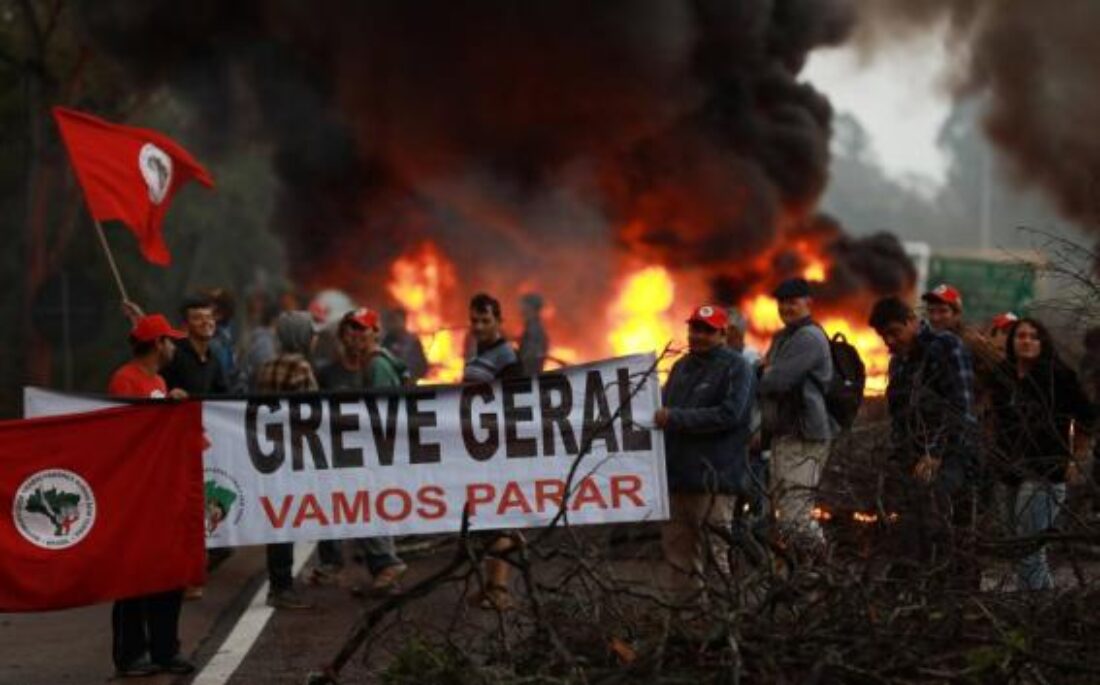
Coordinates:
(219, 238)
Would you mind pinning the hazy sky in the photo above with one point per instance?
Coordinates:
(897, 94)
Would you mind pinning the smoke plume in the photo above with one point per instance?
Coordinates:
(1034, 65)
(538, 143)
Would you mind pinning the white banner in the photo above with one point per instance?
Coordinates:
(319, 467)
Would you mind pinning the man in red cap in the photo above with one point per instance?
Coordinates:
(152, 340)
(943, 308)
(706, 419)
(795, 421)
(145, 629)
(944, 311)
(362, 363)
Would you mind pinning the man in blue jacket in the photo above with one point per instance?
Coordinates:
(706, 418)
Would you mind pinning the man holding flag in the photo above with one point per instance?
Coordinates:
(130, 175)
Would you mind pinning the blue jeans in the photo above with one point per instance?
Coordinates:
(1037, 504)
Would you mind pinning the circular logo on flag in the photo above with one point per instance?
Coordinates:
(706, 311)
(54, 509)
(224, 499)
(156, 169)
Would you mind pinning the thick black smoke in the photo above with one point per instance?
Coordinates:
(512, 133)
(859, 270)
(1035, 66)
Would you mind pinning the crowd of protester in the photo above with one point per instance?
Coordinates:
(980, 421)
(989, 423)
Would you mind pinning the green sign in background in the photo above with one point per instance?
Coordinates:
(988, 288)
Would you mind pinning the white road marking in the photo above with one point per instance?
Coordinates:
(238, 643)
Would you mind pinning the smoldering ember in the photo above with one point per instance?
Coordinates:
(632, 341)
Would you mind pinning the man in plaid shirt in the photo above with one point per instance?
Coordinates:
(289, 372)
(933, 428)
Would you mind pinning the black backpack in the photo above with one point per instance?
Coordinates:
(844, 395)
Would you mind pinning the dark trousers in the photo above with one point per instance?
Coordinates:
(936, 531)
(149, 623)
(328, 552)
(280, 566)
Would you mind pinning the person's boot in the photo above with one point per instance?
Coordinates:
(177, 665)
(289, 599)
(138, 668)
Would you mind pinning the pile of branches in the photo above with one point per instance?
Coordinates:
(591, 607)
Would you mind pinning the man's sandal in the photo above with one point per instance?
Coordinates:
(494, 598)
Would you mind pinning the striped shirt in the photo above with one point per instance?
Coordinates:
(493, 361)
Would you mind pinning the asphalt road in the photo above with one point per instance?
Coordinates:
(74, 647)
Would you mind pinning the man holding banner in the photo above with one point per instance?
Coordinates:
(706, 420)
(148, 625)
(495, 359)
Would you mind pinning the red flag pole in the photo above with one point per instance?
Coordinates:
(111, 261)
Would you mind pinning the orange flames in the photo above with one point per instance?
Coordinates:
(866, 517)
(640, 317)
(764, 322)
(421, 280)
(643, 316)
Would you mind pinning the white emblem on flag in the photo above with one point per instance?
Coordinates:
(156, 169)
(706, 311)
(54, 509)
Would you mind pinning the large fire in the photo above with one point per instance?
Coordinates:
(643, 316)
(421, 282)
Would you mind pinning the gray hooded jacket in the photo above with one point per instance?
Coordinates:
(799, 368)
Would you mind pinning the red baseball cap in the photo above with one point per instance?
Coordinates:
(946, 294)
(712, 315)
(1004, 320)
(154, 327)
(367, 318)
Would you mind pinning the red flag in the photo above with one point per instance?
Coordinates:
(128, 174)
(100, 506)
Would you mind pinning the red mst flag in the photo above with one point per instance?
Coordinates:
(100, 506)
(128, 174)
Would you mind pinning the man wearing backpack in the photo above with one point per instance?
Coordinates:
(362, 364)
(796, 372)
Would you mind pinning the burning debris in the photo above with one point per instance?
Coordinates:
(613, 156)
(421, 280)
